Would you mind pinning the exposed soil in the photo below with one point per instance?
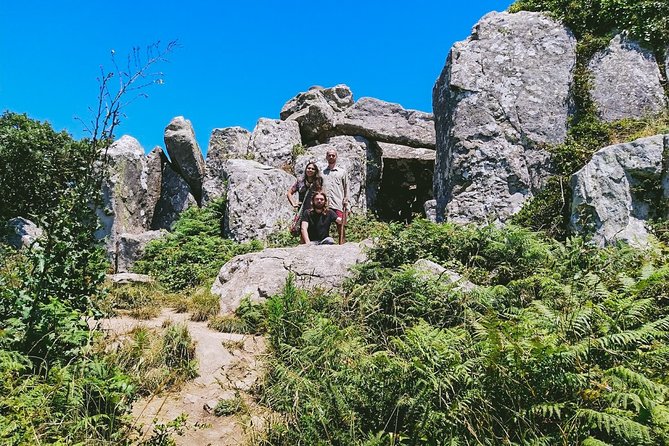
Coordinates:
(229, 365)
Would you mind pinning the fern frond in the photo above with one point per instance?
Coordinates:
(620, 426)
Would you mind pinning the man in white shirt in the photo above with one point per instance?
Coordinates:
(335, 179)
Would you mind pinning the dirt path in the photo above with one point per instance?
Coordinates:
(229, 365)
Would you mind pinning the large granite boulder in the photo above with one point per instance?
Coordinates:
(225, 143)
(273, 142)
(185, 154)
(614, 194)
(315, 110)
(22, 233)
(360, 159)
(626, 81)
(175, 195)
(256, 203)
(127, 204)
(502, 94)
(387, 122)
(260, 275)
(130, 248)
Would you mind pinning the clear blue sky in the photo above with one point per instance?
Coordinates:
(238, 61)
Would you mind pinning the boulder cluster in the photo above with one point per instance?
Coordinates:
(144, 194)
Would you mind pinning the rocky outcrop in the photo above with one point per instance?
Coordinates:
(432, 270)
(387, 122)
(360, 159)
(503, 92)
(185, 154)
(263, 274)
(273, 141)
(175, 196)
(256, 203)
(626, 81)
(614, 194)
(130, 248)
(127, 202)
(22, 233)
(315, 110)
(225, 143)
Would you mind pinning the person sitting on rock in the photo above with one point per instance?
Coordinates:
(311, 182)
(316, 222)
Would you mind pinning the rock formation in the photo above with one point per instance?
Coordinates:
(22, 233)
(260, 275)
(256, 203)
(226, 143)
(614, 194)
(503, 92)
(273, 141)
(175, 195)
(130, 248)
(185, 154)
(626, 81)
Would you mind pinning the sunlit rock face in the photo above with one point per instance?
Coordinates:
(626, 81)
(185, 154)
(503, 93)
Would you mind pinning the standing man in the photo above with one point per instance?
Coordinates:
(316, 221)
(335, 180)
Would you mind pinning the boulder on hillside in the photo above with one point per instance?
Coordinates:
(360, 159)
(387, 122)
(175, 196)
(127, 204)
(273, 142)
(225, 143)
(22, 233)
(185, 154)
(626, 81)
(260, 275)
(503, 92)
(315, 110)
(435, 271)
(130, 247)
(614, 194)
(256, 204)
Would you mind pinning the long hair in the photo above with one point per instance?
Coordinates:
(313, 202)
(317, 184)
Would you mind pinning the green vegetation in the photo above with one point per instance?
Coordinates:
(194, 251)
(561, 343)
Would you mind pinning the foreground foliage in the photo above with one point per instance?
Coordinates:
(560, 343)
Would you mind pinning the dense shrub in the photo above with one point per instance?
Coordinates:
(194, 251)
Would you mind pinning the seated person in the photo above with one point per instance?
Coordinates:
(316, 222)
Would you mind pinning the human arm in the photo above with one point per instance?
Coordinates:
(304, 227)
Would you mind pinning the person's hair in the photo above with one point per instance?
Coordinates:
(313, 201)
(317, 184)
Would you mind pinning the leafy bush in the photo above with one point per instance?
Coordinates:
(195, 250)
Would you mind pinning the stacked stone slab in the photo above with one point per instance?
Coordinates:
(616, 192)
(503, 93)
(626, 81)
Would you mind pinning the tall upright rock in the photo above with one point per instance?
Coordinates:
(272, 142)
(226, 143)
(185, 154)
(175, 195)
(502, 94)
(626, 81)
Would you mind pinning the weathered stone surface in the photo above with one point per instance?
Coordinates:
(406, 182)
(130, 248)
(430, 210)
(612, 194)
(503, 90)
(154, 179)
(387, 122)
(175, 196)
(626, 81)
(128, 206)
(225, 143)
(262, 274)
(360, 159)
(256, 204)
(22, 233)
(438, 272)
(185, 154)
(272, 142)
(126, 278)
(316, 110)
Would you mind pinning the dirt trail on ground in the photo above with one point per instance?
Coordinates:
(229, 364)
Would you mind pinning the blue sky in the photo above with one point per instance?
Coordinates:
(237, 61)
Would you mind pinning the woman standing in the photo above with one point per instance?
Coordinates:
(311, 182)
